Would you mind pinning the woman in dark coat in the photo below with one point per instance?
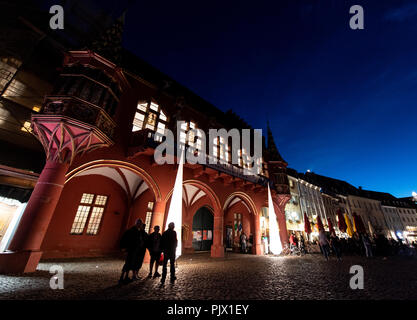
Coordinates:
(130, 242)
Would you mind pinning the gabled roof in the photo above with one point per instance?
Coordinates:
(273, 153)
(136, 66)
(329, 185)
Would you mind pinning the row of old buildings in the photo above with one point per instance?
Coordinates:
(80, 119)
(317, 195)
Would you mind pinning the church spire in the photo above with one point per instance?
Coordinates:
(109, 44)
(272, 149)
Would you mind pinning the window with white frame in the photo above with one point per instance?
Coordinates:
(191, 137)
(244, 159)
(215, 151)
(225, 150)
(149, 115)
(148, 218)
(91, 209)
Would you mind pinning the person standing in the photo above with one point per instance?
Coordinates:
(293, 241)
(324, 244)
(250, 243)
(243, 242)
(335, 244)
(302, 245)
(367, 245)
(154, 248)
(130, 242)
(169, 244)
(142, 241)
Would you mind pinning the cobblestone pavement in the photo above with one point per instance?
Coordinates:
(236, 276)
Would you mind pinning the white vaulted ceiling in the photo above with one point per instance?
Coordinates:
(130, 182)
(191, 194)
(234, 201)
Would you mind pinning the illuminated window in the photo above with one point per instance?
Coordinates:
(183, 132)
(216, 147)
(198, 143)
(189, 137)
(191, 134)
(240, 158)
(95, 219)
(148, 218)
(222, 150)
(264, 168)
(26, 127)
(80, 219)
(87, 198)
(238, 222)
(245, 163)
(161, 128)
(8, 67)
(162, 116)
(15, 89)
(91, 208)
(150, 116)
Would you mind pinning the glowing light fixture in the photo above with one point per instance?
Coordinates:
(175, 208)
(275, 245)
(36, 108)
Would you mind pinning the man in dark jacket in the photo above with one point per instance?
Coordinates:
(130, 242)
(154, 247)
(142, 242)
(169, 245)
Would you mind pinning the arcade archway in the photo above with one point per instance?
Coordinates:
(202, 229)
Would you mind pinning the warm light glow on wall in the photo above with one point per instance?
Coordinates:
(36, 108)
(175, 208)
(275, 245)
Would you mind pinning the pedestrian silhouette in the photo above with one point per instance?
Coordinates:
(169, 244)
(130, 242)
(154, 247)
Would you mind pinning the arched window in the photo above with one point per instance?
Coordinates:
(149, 115)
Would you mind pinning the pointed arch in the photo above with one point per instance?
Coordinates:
(244, 197)
(117, 164)
(206, 189)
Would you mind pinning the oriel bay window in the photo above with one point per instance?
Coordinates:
(91, 209)
(149, 115)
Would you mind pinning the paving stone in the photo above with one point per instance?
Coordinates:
(236, 276)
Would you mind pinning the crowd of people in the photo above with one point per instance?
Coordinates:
(358, 244)
(135, 241)
(162, 248)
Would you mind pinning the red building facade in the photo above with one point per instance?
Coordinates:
(98, 130)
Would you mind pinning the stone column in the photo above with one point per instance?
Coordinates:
(217, 248)
(279, 206)
(158, 215)
(257, 235)
(25, 246)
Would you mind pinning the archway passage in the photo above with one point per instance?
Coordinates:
(240, 217)
(203, 222)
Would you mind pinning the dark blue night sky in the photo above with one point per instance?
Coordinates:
(341, 102)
